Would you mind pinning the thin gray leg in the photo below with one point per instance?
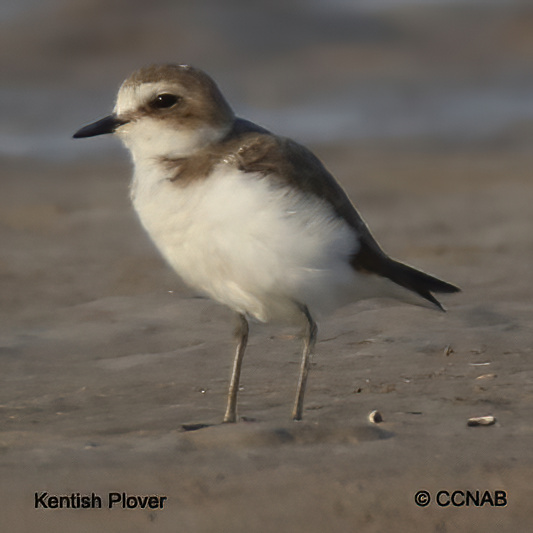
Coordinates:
(242, 335)
(309, 345)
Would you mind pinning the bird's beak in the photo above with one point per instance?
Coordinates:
(105, 125)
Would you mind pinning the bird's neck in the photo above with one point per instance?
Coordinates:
(153, 141)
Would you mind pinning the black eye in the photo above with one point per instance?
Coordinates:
(162, 101)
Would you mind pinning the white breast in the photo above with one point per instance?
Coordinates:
(247, 243)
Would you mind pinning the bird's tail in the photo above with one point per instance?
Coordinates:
(418, 281)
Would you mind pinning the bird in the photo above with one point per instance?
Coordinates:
(246, 217)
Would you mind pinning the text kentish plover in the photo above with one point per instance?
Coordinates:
(251, 219)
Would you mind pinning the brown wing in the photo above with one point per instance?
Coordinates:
(292, 164)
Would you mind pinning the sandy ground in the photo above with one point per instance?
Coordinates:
(105, 355)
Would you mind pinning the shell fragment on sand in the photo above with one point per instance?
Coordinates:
(481, 421)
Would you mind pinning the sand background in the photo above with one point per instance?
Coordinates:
(104, 354)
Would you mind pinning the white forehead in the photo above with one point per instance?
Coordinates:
(132, 96)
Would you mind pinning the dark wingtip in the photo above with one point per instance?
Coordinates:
(425, 284)
(408, 277)
(444, 286)
(428, 296)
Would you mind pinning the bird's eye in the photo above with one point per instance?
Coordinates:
(163, 101)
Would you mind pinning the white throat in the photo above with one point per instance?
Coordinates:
(149, 138)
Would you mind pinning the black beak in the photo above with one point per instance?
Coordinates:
(105, 125)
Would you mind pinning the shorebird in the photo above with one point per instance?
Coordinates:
(249, 218)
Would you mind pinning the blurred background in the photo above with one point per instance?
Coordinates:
(322, 71)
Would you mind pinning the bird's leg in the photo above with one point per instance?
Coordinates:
(242, 336)
(309, 344)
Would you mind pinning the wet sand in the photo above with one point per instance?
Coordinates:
(105, 355)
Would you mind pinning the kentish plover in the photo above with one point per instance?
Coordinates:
(251, 219)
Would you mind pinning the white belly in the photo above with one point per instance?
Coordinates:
(251, 245)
